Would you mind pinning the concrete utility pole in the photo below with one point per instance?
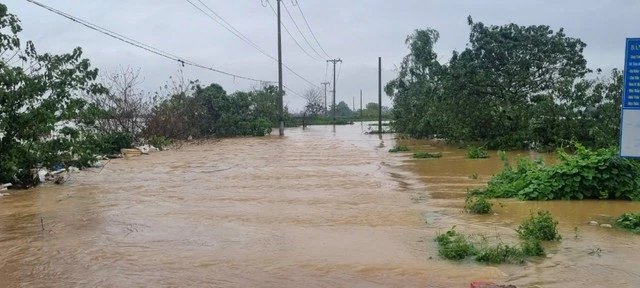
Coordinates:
(325, 95)
(334, 61)
(380, 95)
(361, 105)
(280, 92)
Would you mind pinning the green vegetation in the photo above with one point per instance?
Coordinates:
(629, 222)
(585, 174)
(476, 153)
(53, 111)
(159, 142)
(540, 226)
(399, 148)
(426, 155)
(478, 205)
(513, 87)
(455, 246)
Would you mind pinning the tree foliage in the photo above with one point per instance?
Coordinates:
(42, 116)
(513, 87)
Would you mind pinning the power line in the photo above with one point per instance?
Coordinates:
(230, 27)
(290, 35)
(310, 30)
(246, 39)
(300, 31)
(140, 44)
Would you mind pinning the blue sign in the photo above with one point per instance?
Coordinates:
(630, 122)
(631, 93)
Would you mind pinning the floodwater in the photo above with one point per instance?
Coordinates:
(316, 208)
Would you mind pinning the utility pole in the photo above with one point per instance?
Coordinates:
(380, 95)
(353, 103)
(334, 61)
(325, 95)
(361, 105)
(280, 92)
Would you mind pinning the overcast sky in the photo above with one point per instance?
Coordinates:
(357, 31)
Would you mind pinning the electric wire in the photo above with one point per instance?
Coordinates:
(300, 31)
(140, 45)
(246, 39)
(291, 35)
(310, 30)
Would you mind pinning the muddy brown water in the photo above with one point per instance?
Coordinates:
(316, 208)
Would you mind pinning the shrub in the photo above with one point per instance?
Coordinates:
(629, 222)
(159, 142)
(540, 226)
(478, 205)
(455, 246)
(399, 149)
(587, 174)
(476, 153)
(426, 155)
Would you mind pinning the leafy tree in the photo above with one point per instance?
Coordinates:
(342, 110)
(43, 121)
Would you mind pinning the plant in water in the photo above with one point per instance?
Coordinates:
(478, 205)
(425, 155)
(455, 246)
(159, 142)
(540, 226)
(474, 152)
(473, 176)
(629, 222)
(399, 149)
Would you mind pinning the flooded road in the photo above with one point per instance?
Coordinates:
(316, 208)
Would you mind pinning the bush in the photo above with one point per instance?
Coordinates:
(587, 174)
(113, 142)
(476, 153)
(399, 149)
(629, 222)
(426, 155)
(540, 227)
(455, 246)
(159, 142)
(478, 205)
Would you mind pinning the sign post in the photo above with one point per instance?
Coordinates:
(630, 119)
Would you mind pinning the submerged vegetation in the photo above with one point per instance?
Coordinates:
(478, 205)
(455, 246)
(476, 153)
(540, 226)
(399, 148)
(584, 174)
(427, 155)
(629, 222)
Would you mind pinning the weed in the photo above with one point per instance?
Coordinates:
(425, 155)
(500, 253)
(541, 227)
(629, 222)
(532, 248)
(473, 176)
(575, 232)
(474, 152)
(478, 205)
(399, 149)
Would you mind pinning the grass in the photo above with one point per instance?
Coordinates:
(426, 155)
(400, 148)
(629, 222)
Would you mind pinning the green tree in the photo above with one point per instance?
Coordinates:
(43, 119)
